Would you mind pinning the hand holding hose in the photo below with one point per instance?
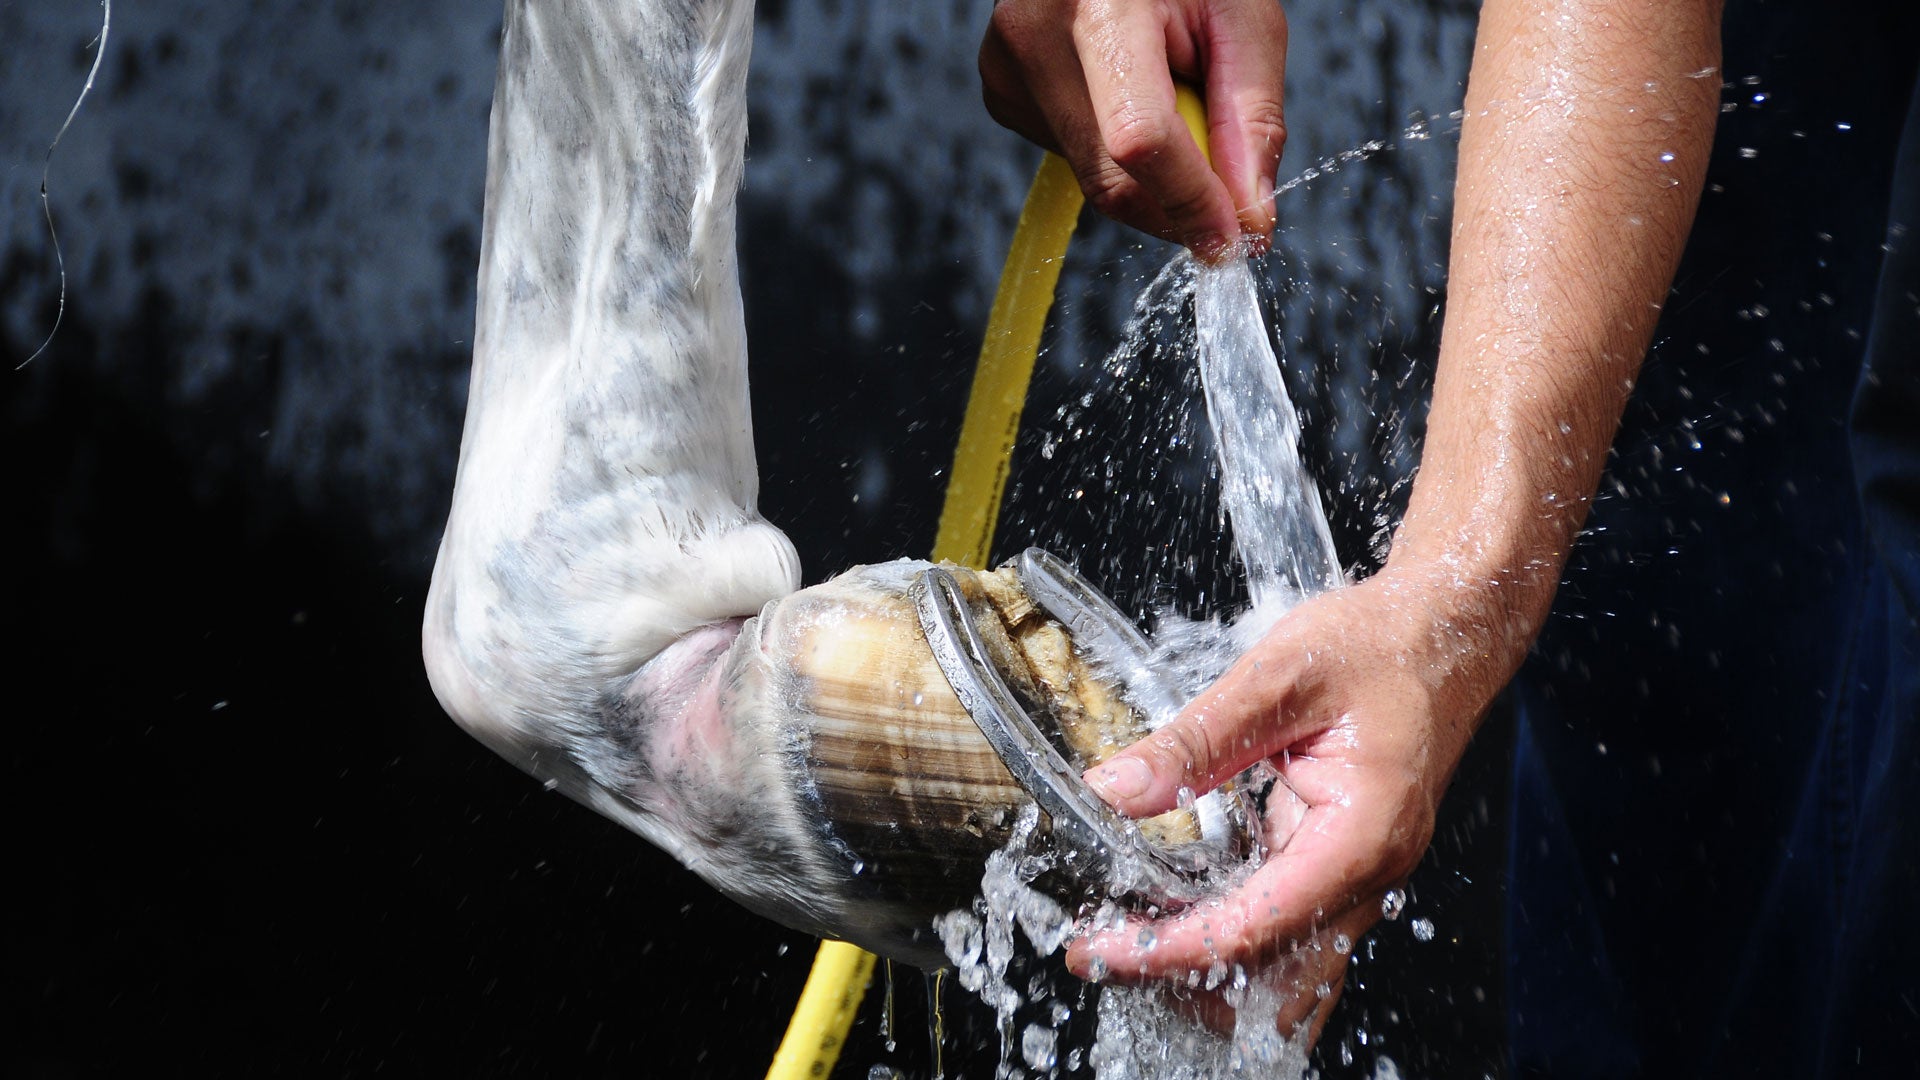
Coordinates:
(1093, 81)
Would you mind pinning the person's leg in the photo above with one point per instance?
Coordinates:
(1872, 1027)
(1569, 1017)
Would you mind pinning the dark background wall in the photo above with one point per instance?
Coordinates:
(245, 839)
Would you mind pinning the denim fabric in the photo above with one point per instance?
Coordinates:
(1717, 780)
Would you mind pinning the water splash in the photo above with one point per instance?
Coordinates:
(1281, 534)
(1143, 1033)
(1143, 1037)
(1196, 346)
(980, 940)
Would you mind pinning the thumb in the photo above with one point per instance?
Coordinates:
(1246, 75)
(1234, 724)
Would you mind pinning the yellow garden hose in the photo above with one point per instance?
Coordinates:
(820, 1021)
(968, 518)
(1020, 306)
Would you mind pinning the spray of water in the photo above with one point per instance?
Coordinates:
(1279, 527)
(1418, 131)
(1281, 535)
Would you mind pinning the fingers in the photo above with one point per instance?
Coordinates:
(1123, 55)
(1093, 80)
(1298, 996)
(1300, 991)
(1247, 47)
(1334, 870)
(1324, 1006)
(1319, 975)
(1004, 82)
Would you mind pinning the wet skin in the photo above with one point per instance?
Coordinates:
(1582, 156)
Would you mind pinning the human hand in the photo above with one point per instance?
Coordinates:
(1093, 81)
(1363, 700)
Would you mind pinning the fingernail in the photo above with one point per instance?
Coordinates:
(1084, 962)
(1121, 778)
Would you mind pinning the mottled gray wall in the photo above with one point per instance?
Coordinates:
(288, 196)
(272, 211)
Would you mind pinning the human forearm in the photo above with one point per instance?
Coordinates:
(1570, 218)
(1581, 159)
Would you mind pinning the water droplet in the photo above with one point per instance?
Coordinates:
(919, 698)
(1039, 1046)
(1666, 155)
(1749, 152)
(1843, 126)
(1423, 929)
(1392, 904)
(550, 784)
(1342, 944)
(1217, 973)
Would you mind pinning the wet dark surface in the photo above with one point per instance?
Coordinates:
(247, 840)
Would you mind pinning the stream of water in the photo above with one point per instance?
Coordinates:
(1281, 536)
(1279, 527)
